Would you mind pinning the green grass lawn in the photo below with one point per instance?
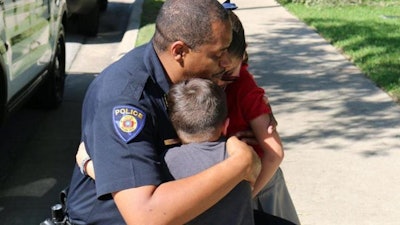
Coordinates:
(369, 35)
(149, 15)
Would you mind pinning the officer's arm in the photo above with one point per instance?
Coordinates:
(179, 201)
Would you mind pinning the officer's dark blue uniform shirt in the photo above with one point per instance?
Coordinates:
(126, 130)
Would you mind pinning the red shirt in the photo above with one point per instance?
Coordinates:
(245, 102)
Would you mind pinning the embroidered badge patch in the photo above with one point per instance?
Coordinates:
(128, 121)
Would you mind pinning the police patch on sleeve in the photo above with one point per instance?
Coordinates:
(128, 121)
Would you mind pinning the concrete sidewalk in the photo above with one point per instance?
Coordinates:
(341, 133)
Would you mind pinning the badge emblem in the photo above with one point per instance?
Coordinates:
(128, 121)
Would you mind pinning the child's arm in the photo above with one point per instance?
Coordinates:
(272, 147)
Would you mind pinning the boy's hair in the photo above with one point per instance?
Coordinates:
(237, 48)
(188, 21)
(197, 108)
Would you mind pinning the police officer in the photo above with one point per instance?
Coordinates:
(126, 130)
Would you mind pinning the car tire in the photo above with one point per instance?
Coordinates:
(51, 94)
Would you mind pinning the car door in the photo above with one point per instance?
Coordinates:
(27, 24)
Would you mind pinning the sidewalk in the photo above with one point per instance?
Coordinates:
(341, 133)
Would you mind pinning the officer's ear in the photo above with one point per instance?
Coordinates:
(179, 50)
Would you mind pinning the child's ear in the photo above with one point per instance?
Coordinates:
(225, 127)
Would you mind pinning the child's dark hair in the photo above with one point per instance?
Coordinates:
(237, 48)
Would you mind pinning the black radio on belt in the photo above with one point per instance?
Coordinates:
(58, 216)
(58, 213)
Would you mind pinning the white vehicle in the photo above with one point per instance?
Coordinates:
(32, 49)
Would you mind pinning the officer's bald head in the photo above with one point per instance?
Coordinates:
(188, 21)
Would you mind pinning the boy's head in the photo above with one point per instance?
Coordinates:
(198, 110)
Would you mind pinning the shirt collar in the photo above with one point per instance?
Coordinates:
(156, 69)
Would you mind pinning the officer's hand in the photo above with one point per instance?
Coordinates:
(235, 147)
(247, 136)
(88, 166)
(81, 154)
(273, 123)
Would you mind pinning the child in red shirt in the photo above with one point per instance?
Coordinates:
(248, 109)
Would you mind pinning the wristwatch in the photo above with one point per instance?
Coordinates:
(82, 165)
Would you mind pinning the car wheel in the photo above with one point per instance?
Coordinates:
(51, 93)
